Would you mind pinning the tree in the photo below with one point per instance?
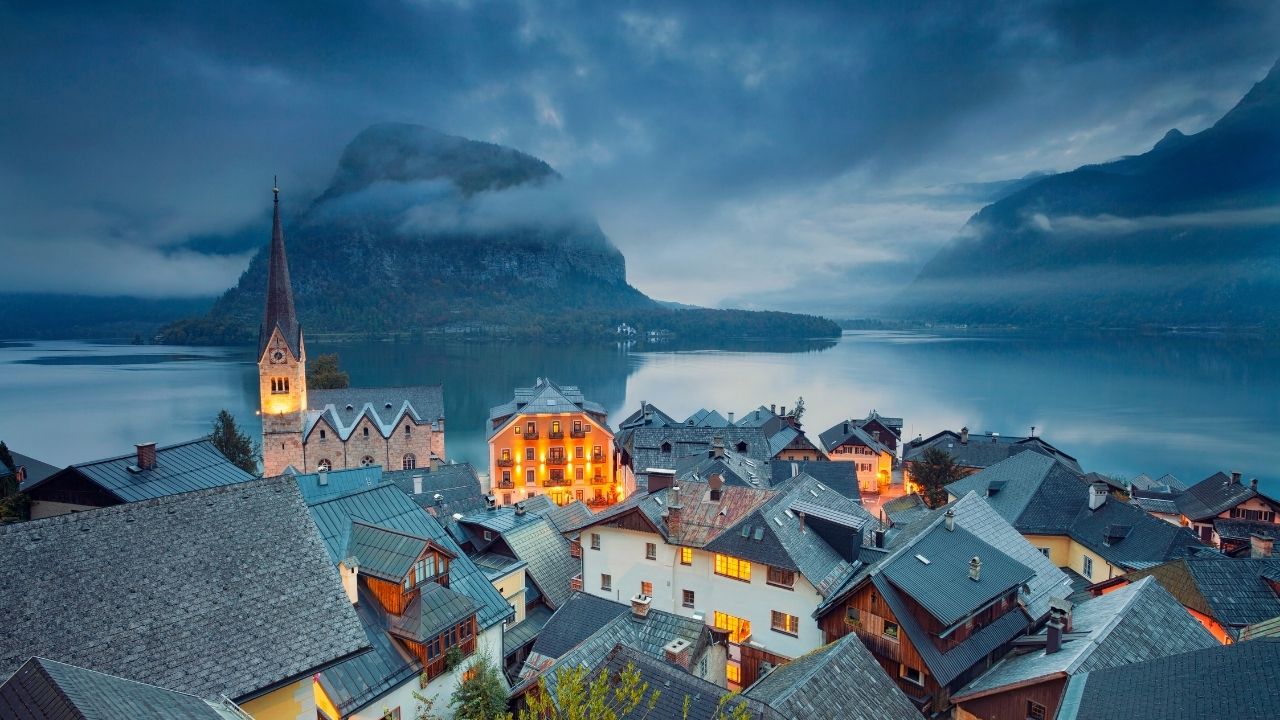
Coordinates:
(798, 411)
(480, 695)
(624, 696)
(326, 374)
(935, 470)
(235, 445)
(6, 458)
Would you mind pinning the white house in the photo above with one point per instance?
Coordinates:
(753, 562)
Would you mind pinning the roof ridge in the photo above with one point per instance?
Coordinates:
(1099, 635)
(203, 438)
(356, 521)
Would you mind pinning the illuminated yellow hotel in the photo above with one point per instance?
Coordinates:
(550, 440)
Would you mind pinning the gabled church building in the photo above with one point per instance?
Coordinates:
(397, 428)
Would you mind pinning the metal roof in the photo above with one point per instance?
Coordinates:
(343, 408)
(382, 552)
(354, 683)
(527, 630)
(433, 610)
(183, 467)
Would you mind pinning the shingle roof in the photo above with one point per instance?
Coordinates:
(984, 450)
(574, 622)
(644, 445)
(1239, 681)
(180, 468)
(551, 565)
(1040, 495)
(1213, 495)
(46, 690)
(839, 476)
(388, 506)
(382, 552)
(1139, 622)
(37, 470)
(675, 687)
(544, 397)
(848, 431)
(1164, 505)
(343, 408)
(354, 683)
(433, 610)
(569, 517)
(706, 418)
(1229, 590)
(734, 468)
(941, 583)
(457, 485)
(905, 509)
(526, 630)
(184, 566)
(841, 678)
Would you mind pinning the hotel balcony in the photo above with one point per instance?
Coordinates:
(597, 457)
(557, 459)
(564, 482)
(505, 462)
(506, 484)
(578, 432)
(597, 480)
(555, 434)
(530, 434)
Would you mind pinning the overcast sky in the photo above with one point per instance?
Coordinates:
(778, 156)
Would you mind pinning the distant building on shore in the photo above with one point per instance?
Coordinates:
(397, 428)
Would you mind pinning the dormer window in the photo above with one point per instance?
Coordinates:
(741, 447)
(666, 448)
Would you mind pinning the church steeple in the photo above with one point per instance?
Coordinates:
(279, 311)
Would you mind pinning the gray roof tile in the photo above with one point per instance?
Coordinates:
(574, 622)
(183, 467)
(343, 408)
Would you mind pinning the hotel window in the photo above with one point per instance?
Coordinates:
(506, 453)
(686, 556)
(532, 427)
(646, 588)
(409, 462)
(528, 454)
(782, 577)
(739, 629)
(784, 623)
(890, 630)
(577, 426)
(686, 598)
(1087, 569)
(555, 426)
(579, 452)
(557, 474)
(506, 476)
(650, 551)
(1036, 711)
(577, 474)
(595, 541)
(732, 567)
(733, 673)
(606, 582)
(529, 477)
(914, 676)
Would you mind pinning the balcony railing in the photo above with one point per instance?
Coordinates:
(557, 459)
(530, 434)
(506, 484)
(506, 462)
(578, 432)
(555, 434)
(598, 502)
(597, 480)
(597, 457)
(563, 482)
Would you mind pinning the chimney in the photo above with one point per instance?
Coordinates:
(1053, 639)
(878, 538)
(846, 427)
(975, 569)
(995, 438)
(146, 456)
(730, 418)
(717, 447)
(349, 571)
(1253, 484)
(490, 502)
(773, 408)
(1235, 477)
(438, 498)
(783, 411)
(417, 484)
(675, 511)
(520, 508)
(1060, 608)
(964, 435)
(951, 520)
(677, 652)
(716, 483)
(800, 517)
(640, 607)
(1097, 495)
(1260, 546)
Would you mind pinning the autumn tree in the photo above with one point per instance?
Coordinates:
(326, 374)
(933, 472)
(235, 445)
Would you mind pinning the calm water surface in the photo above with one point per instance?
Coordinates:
(1121, 404)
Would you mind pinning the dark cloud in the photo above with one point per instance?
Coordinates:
(696, 131)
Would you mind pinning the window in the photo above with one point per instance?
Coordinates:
(279, 386)
(595, 541)
(1087, 570)
(686, 556)
(577, 472)
(1043, 551)
(852, 616)
(781, 577)
(650, 551)
(322, 435)
(742, 447)
(784, 623)
(506, 453)
(324, 465)
(365, 431)
(1035, 711)
(408, 430)
(666, 448)
(606, 582)
(686, 598)
(890, 630)
(595, 452)
(506, 477)
(557, 474)
(733, 673)
(555, 427)
(488, 535)
(506, 498)
(532, 427)
(530, 477)
(410, 462)
(579, 452)
(733, 567)
(739, 629)
(528, 454)
(912, 675)
(366, 461)
(646, 588)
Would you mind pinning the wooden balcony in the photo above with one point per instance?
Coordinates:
(879, 644)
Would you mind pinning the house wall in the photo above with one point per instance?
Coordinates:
(1012, 704)
(1067, 553)
(596, 493)
(511, 586)
(874, 469)
(622, 555)
(295, 701)
(48, 508)
(892, 654)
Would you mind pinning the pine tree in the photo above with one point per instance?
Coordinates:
(325, 374)
(936, 470)
(6, 459)
(235, 445)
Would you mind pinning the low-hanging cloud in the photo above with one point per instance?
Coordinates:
(1113, 225)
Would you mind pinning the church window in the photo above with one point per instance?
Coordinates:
(410, 462)
(366, 432)
(366, 461)
(325, 465)
(322, 436)
(279, 385)
(408, 430)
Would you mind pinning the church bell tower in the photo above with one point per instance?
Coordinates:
(282, 364)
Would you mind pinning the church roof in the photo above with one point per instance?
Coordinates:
(279, 311)
(344, 407)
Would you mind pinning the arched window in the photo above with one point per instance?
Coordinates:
(324, 465)
(279, 385)
(742, 447)
(666, 447)
(366, 461)
(366, 432)
(410, 462)
(408, 430)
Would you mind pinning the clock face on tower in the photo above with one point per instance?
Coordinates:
(277, 356)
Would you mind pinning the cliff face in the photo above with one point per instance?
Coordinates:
(419, 229)
(1186, 233)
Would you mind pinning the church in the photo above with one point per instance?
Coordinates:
(399, 428)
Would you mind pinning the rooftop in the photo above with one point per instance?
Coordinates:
(981, 451)
(1233, 591)
(1214, 495)
(533, 539)
(182, 467)
(343, 408)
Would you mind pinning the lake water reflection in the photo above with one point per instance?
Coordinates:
(1122, 404)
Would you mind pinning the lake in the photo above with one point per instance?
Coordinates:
(1122, 404)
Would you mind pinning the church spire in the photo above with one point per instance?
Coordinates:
(279, 311)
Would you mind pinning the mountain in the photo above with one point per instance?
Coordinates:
(1187, 233)
(419, 231)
